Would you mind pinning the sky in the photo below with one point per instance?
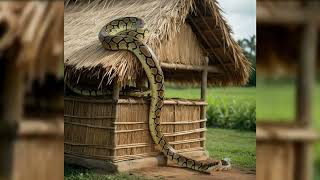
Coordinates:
(241, 16)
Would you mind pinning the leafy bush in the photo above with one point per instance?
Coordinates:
(232, 114)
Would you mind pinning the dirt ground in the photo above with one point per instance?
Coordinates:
(176, 173)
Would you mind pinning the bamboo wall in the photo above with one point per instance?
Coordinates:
(275, 160)
(102, 129)
(279, 150)
(38, 150)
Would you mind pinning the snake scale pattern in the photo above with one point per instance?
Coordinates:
(127, 34)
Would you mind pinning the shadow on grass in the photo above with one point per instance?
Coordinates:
(72, 172)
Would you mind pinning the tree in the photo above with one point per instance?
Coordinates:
(249, 49)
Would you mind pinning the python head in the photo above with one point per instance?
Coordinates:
(221, 165)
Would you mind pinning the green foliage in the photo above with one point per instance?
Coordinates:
(239, 146)
(232, 107)
(232, 115)
(249, 49)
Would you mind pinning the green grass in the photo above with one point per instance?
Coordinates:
(239, 146)
(277, 102)
(231, 108)
(77, 173)
(225, 94)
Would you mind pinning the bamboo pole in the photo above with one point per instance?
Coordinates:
(115, 98)
(13, 93)
(212, 69)
(305, 81)
(204, 84)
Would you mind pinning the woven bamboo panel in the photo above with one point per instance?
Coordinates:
(275, 160)
(102, 129)
(39, 150)
(89, 128)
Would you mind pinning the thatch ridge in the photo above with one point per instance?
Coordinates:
(164, 19)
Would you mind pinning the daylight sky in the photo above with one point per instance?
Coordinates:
(241, 16)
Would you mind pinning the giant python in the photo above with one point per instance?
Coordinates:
(127, 34)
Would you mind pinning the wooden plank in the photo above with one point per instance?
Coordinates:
(285, 134)
(211, 69)
(306, 80)
(135, 101)
(275, 160)
(39, 158)
(169, 123)
(115, 99)
(286, 13)
(89, 125)
(13, 97)
(204, 87)
(41, 128)
(304, 161)
(306, 76)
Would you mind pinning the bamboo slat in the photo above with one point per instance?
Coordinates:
(127, 136)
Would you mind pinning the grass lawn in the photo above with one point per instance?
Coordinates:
(278, 102)
(239, 146)
(226, 94)
(76, 173)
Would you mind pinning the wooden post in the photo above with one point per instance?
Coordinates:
(142, 83)
(204, 84)
(116, 92)
(12, 111)
(305, 80)
(115, 98)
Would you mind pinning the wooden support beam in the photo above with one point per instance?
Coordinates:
(287, 13)
(12, 111)
(204, 80)
(207, 41)
(204, 86)
(306, 74)
(211, 69)
(115, 98)
(305, 81)
(116, 92)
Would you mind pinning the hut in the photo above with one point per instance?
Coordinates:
(31, 71)
(288, 35)
(194, 46)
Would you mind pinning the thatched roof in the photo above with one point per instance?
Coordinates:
(30, 35)
(182, 33)
(280, 26)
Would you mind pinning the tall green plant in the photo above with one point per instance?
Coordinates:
(249, 49)
(231, 115)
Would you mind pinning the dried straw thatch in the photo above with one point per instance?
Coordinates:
(281, 32)
(31, 34)
(181, 33)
